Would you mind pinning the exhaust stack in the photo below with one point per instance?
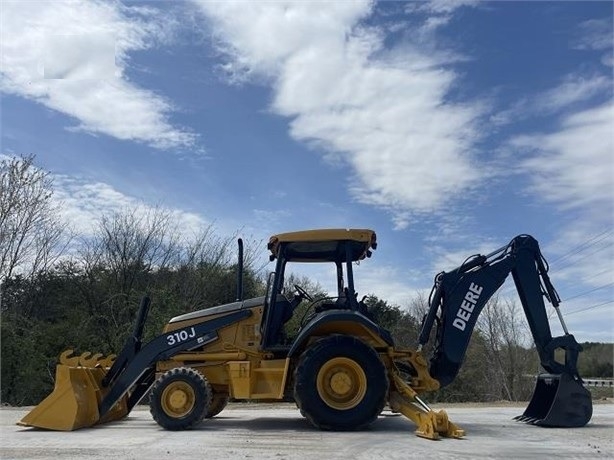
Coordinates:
(240, 272)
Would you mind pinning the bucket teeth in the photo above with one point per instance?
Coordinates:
(528, 420)
(108, 361)
(89, 362)
(67, 360)
(86, 359)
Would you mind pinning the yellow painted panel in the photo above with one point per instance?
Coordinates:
(240, 379)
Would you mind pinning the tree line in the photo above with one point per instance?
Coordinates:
(61, 290)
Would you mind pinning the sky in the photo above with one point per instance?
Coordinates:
(448, 127)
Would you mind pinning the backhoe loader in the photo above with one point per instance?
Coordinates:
(341, 369)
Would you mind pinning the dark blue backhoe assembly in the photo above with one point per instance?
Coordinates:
(559, 399)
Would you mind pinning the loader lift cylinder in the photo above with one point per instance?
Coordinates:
(132, 346)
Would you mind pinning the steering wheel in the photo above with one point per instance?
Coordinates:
(302, 293)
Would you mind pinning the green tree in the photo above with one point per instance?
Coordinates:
(305, 308)
(401, 323)
(597, 360)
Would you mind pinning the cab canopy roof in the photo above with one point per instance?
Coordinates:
(323, 245)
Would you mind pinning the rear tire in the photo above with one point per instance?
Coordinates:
(218, 403)
(180, 398)
(340, 384)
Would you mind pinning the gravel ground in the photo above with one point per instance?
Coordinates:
(277, 431)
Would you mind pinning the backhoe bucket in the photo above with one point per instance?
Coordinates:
(559, 400)
(74, 402)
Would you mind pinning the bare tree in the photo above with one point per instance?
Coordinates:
(204, 257)
(418, 308)
(117, 266)
(31, 235)
(137, 240)
(505, 332)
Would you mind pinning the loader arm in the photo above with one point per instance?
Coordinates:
(87, 394)
(137, 375)
(459, 296)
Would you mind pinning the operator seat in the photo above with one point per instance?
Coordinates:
(281, 312)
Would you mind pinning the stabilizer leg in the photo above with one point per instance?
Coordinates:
(431, 424)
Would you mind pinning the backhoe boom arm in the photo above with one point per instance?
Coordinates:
(460, 295)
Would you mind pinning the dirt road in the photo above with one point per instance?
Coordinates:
(279, 432)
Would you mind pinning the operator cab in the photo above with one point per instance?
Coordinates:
(340, 247)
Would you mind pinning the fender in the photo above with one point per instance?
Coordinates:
(342, 316)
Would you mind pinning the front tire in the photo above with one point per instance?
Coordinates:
(179, 399)
(340, 384)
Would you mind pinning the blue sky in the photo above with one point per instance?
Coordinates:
(447, 126)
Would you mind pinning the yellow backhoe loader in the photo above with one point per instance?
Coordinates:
(341, 369)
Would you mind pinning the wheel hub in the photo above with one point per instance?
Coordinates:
(178, 399)
(341, 383)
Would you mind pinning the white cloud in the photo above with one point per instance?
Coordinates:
(574, 166)
(72, 58)
(88, 56)
(438, 13)
(583, 256)
(387, 282)
(84, 202)
(594, 34)
(573, 169)
(445, 259)
(572, 90)
(384, 112)
(261, 36)
(446, 6)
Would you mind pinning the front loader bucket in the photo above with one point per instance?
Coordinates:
(74, 402)
(559, 400)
